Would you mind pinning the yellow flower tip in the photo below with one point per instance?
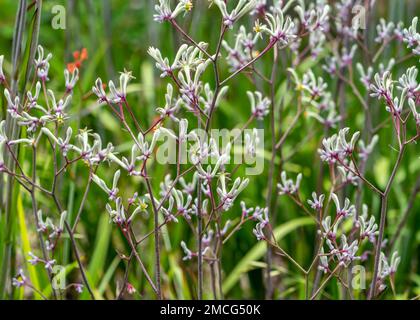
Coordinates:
(128, 73)
(83, 130)
(60, 120)
(257, 27)
(188, 6)
(299, 87)
(143, 205)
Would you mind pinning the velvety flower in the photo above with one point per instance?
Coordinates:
(288, 186)
(318, 201)
(260, 106)
(347, 210)
(242, 8)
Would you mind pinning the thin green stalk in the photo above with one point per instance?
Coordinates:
(12, 132)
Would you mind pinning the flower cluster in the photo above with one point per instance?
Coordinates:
(288, 186)
(336, 148)
(387, 269)
(165, 13)
(243, 7)
(411, 37)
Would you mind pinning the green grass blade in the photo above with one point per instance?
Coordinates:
(26, 246)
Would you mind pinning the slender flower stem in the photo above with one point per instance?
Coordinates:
(235, 229)
(177, 27)
(292, 125)
(78, 259)
(143, 268)
(74, 246)
(199, 237)
(355, 91)
(358, 174)
(318, 291)
(37, 291)
(82, 204)
(126, 273)
(130, 111)
(266, 49)
(35, 214)
(284, 253)
(156, 234)
(384, 205)
(271, 174)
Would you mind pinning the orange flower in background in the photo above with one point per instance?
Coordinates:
(79, 57)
